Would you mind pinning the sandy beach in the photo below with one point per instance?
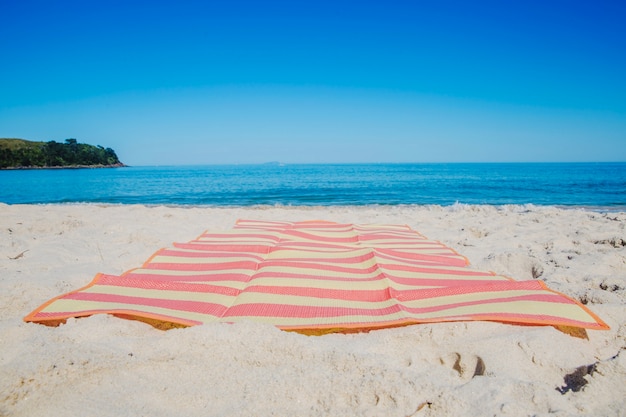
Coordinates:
(107, 366)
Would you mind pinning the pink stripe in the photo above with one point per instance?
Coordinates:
(546, 298)
(451, 260)
(407, 251)
(313, 275)
(346, 260)
(421, 294)
(221, 247)
(418, 252)
(211, 309)
(417, 244)
(224, 266)
(220, 276)
(239, 236)
(205, 254)
(438, 282)
(130, 282)
(318, 267)
(321, 225)
(433, 271)
(334, 294)
(434, 260)
(310, 246)
(389, 233)
(350, 239)
(415, 239)
(292, 311)
(385, 230)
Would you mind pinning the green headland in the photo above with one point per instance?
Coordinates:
(25, 154)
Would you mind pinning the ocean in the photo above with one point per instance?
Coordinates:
(600, 186)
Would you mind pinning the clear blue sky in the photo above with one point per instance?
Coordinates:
(202, 82)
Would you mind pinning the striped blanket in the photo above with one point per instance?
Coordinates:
(315, 277)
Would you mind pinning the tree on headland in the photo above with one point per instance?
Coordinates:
(19, 153)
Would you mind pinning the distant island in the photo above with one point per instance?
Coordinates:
(25, 154)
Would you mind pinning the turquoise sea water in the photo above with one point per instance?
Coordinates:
(593, 185)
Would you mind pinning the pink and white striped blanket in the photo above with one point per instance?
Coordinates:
(315, 277)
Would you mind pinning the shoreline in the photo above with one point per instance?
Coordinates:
(455, 206)
(444, 369)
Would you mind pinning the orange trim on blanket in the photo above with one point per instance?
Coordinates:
(601, 323)
(31, 316)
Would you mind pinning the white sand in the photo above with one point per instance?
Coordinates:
(105, 366)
